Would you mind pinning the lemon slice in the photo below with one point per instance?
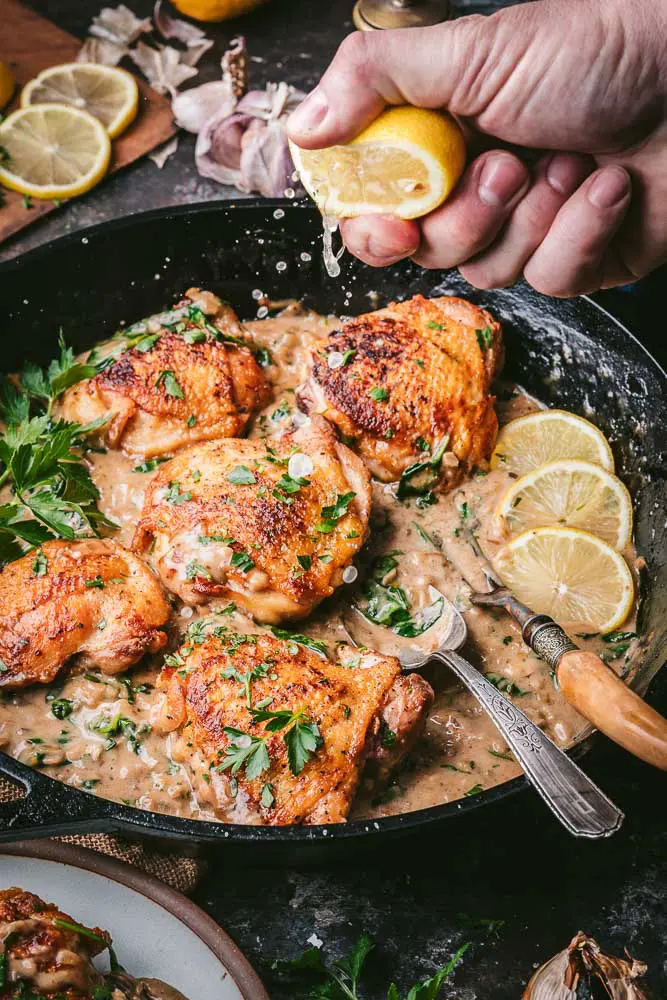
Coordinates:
(571, 575)
(573, 494)
(547, 436)
(405, 163)
(53, 151)
(106, 92)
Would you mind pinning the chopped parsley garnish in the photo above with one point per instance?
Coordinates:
(267, 797)
(209, 539)
(305, 562)
(96, 583)
(301, 737)
(484, 338)
(475, 790)
(119, 725)
(432, 325)
(150, 465)
(387, 735)
(505, 685)
(287, 486)
(170, 382)
(147, 343)
(264, 357)
(39, 564)
(192, 420)
(61, 708)
(300, 640)
(242, 561)
(195, 569)
(175, 496)
(241, 475)
(424, 535)
(379, 393)
(420, 478)
(332, 514)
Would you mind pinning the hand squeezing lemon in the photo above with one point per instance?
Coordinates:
(406, 163)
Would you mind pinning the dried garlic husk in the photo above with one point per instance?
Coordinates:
(119, 25)
(99, 50)
(584, 962)
(163, 67)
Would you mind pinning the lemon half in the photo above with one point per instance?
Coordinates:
(573, 494)
(53, 151)
(106, 92)
(571, 575)
(545, 436)
(405, 164)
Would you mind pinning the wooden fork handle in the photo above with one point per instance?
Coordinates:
(600, 696)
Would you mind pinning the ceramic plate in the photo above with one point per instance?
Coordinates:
(156, 931)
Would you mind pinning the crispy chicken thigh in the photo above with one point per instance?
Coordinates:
(227, 519)
(344, 707)
(91, 599)
(401, 381)
(184, 377)
(53, 960)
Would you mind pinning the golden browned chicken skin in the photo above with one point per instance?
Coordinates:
(170, 390)
(400, 381)
(227, 520)
(91, 599)
(210, 695)
(55, 961)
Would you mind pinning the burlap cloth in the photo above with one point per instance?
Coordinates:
(180, 873)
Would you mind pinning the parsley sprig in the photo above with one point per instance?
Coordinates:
(341, 980)
(53, 493)
(301, 736)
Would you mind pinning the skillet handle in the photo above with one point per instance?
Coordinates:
(598, 693)
(49, 808)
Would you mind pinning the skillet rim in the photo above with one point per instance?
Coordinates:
(129, 819)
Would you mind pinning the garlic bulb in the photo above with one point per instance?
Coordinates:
(583, 961)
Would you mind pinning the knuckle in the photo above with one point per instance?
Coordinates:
(355, 53)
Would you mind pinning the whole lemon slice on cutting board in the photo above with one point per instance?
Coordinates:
(573, 494)
(547, 436)
(106, 92)
(405, 163)
(569, 574)
(216, 10)
(7, 84)
(53, 151)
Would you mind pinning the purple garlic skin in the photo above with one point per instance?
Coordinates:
(248, 148)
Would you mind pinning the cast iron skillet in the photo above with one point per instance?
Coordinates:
(569, 353)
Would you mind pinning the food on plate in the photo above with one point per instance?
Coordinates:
(571, 575)
(46, 954)
(90, 599)
(80, 151)
(573, 494)
(405, 163)
(548, 436)
(107, 93)
(409, 387)
(283, 731)
(183, 377)
(272, 514)
(273, 524)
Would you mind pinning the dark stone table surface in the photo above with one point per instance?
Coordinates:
(416, 897)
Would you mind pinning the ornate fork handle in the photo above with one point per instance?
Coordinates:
(577, 802)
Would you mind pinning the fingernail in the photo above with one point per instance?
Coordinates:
(563, 174)
(500, 180)
(310, 114)
(609, 187)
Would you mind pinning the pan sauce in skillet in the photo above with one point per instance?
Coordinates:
(461, 752)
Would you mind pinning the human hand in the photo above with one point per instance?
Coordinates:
(585, 79)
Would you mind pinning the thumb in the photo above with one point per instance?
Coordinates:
(426, 67)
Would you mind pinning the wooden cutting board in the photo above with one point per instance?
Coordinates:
(30, 43)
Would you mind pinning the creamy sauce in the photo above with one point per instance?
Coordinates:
(461, 751)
